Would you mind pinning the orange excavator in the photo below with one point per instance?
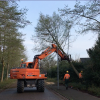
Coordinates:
(28, 74)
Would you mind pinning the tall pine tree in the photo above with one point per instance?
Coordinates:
(92, 72)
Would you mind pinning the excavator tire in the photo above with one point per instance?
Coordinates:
(40, 87)
(20, 86)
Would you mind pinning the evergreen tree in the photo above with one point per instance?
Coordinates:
(92, 72)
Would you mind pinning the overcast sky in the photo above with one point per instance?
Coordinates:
(80, 44)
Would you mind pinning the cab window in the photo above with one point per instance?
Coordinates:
(23, 65)
(30, 65)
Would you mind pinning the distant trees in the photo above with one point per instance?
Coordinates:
(47, 63)
(11, 46)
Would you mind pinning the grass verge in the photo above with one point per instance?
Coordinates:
(93, 90)
(6, 83)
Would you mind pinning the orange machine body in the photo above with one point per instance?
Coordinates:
(30, 70)
(24, 72)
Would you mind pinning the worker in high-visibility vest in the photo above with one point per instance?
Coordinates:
(66, 79)
(80, 74)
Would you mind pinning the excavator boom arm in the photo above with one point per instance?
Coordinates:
(47, 52)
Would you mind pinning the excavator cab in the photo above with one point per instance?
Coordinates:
(30, 65)
(23, 65)
(26, 65)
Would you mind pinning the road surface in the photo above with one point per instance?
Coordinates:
(29, 94)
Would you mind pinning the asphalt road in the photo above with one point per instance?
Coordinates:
(29, 94)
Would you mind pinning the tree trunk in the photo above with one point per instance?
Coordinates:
(74, 68)
(7, 71)
(2, 70)
(70, 61)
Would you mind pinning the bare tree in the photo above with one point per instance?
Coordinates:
(86, 16)
(53, 29)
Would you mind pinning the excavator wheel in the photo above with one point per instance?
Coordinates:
(40, 86)
(20, 86)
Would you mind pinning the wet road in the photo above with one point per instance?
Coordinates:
(29, 94)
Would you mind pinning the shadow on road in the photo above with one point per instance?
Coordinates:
(26, 89)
